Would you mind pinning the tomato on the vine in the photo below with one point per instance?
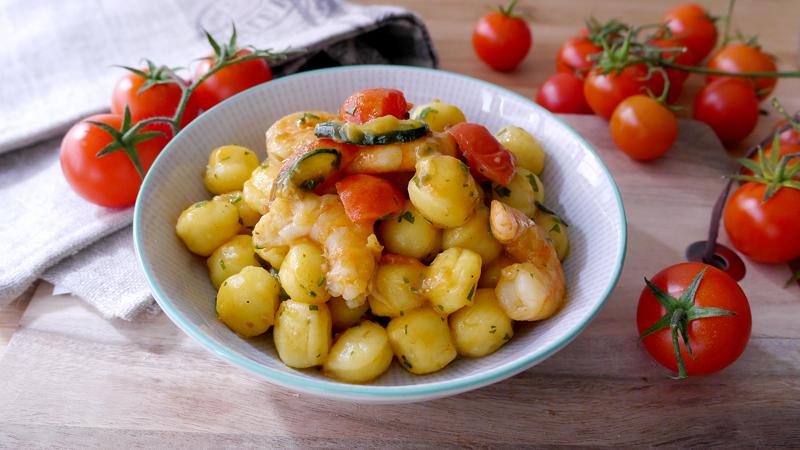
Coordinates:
(604, 92)
(111, 180)
(563, 93)
(742, 58)
(486, 157)
(693, 305)
(676, 77)
(730, 107)
(762, 216)
(502, 39)
(574, 53)
(693, 26)
(789, 136)
(643, 128)
(230, 80)
(160, 99)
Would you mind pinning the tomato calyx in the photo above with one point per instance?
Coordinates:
(597, 32)
(680, 312)
(773, 171)
(153, 75)
(508, 10)
(126, 138)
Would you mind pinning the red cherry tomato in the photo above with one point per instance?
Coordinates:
(643, 128)
(716, 341)
(676, 77)
(790, 136)
(765, 231)
(573, 55)
(229, 81)
(730, 107)
(604, 92)
(741, 58)
(486, 157)
(563, 93)
(369, 104)
(111, 180)
(501, 39)
(693, 26)
(367, 198)
(157, 100)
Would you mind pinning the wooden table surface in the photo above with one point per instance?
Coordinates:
(68, 377)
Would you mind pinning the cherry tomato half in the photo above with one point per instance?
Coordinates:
(486, 157)
(111, 180)
(501, 40)
(372, 103)
(574, 53)
(693, 26)
(229, 81)
(741, 58)
(643, 128)
(765, 231)
(563, 93)
(367, 198)
(716, 341)
(730, 107)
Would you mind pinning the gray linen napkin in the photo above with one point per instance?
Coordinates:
(56, 58)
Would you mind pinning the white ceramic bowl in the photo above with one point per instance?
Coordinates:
(576, 182)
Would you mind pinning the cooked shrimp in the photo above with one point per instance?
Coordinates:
(289, 218)
(258, 188)
(294, 131)
(350, 249)
(533, 288)
(400, 157)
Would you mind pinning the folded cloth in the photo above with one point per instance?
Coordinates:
(56, 58)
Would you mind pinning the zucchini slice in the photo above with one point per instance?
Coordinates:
(380, 131)
(313, 168)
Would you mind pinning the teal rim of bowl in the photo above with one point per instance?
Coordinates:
(366, 391)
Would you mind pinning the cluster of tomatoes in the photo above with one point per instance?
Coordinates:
(611, 70)
(104, 157)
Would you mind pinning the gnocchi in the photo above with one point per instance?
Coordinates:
(246, 302)
(349, 286)
(302, 334)
(231, 257)
(481, 327)
(206, 225)
(362, 353)
(228, 168)
(421, 341)
(443, 190)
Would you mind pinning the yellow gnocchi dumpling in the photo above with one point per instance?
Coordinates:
(451, 279)
(344, 317)
(474, 235)
(396, 286)
(409, 233)
(528, 152)
(443, 190)
(206, 225)
(421, 341)
(439, 116)
(360, 354)
(273, 256)
(246, 302)
(302, 334)
(302, 273)
(481, 327)
(228, 168)
(230, 258)
(557, 230)
(248, 217)
(522, 192)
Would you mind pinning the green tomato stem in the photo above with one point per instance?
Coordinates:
(707, 71)
(726, 37)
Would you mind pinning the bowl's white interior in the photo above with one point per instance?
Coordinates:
(576, 184)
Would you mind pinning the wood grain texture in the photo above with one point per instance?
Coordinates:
(71, 378)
